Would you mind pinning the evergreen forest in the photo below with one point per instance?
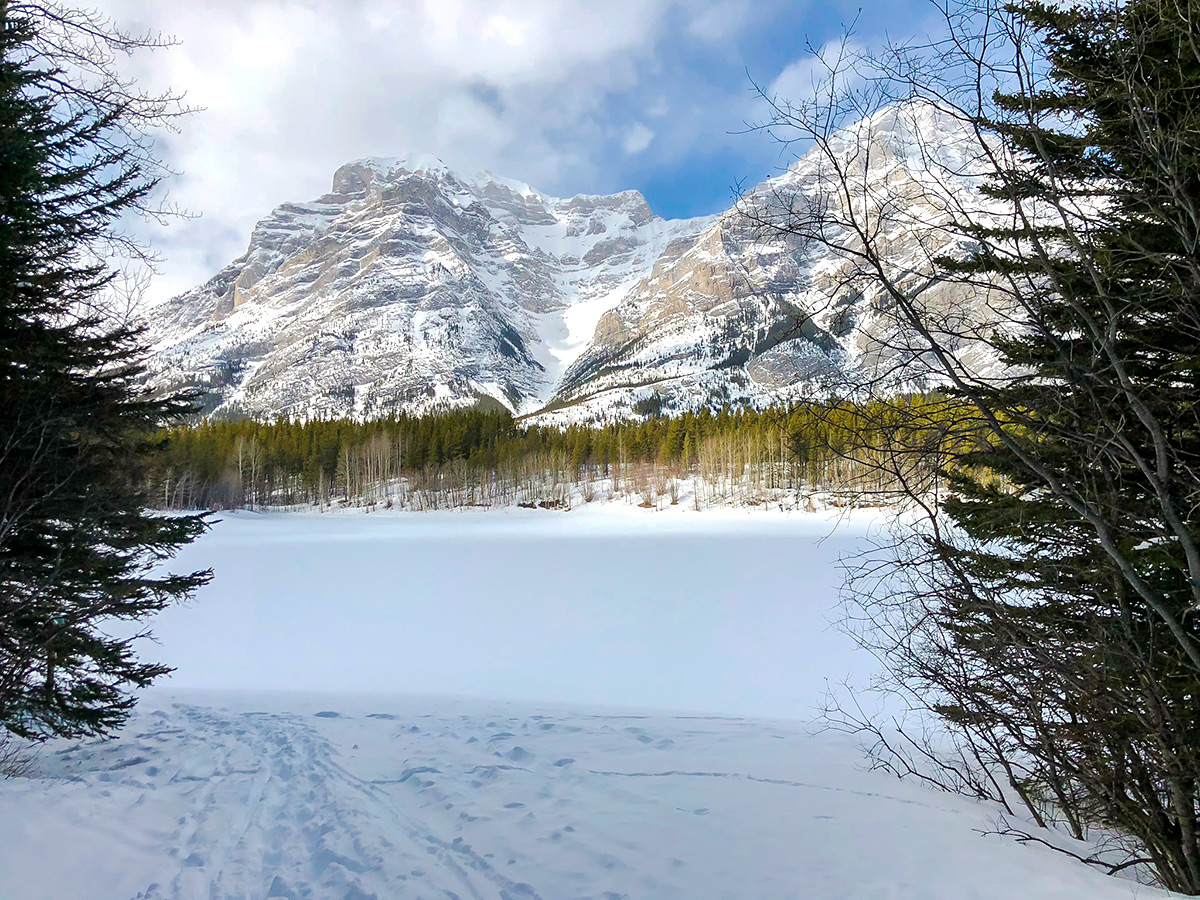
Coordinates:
(478, 457)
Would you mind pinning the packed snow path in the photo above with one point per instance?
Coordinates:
(246, 796)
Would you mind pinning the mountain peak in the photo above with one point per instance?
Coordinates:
(356, 175)
(412, 287)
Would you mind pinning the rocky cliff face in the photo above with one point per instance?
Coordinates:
(742, 313)
(409, 287)
(404, 288)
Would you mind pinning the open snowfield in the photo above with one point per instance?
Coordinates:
(357, 784)
(723, 611)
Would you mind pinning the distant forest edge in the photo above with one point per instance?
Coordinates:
(484, 458)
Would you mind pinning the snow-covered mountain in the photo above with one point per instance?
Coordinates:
(748, 312)
(410, 287)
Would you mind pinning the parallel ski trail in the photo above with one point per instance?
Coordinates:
(297, 825)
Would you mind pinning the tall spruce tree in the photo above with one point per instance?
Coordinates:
(78, 548)
(1105, 416)
(1083, 580)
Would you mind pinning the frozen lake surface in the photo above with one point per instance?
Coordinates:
(719, 611)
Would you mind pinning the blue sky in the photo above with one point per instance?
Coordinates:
(721, 80)
(571, 96)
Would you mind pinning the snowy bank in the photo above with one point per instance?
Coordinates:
(342, 797)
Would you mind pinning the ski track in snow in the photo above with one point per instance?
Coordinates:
(221, 796)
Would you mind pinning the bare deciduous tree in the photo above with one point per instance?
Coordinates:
(1017, 202)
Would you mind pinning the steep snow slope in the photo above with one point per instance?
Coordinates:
(746, 312)
(410, 287)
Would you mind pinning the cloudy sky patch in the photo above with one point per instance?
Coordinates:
(571, 96)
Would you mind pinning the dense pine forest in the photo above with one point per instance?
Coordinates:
(486, 458)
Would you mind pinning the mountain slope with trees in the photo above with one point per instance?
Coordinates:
(410, 289)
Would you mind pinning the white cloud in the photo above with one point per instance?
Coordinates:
(508, 30)
(831, 69)
(541, 90)
(637, 138)
(718, 22)
(658, 108)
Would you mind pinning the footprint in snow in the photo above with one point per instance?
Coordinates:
(127, 763)
(280, 889)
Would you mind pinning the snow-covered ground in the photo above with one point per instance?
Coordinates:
(352, 797)
(357, 784)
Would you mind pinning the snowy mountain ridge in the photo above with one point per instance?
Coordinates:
(409, 287)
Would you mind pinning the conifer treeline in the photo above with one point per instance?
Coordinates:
(476, 457)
